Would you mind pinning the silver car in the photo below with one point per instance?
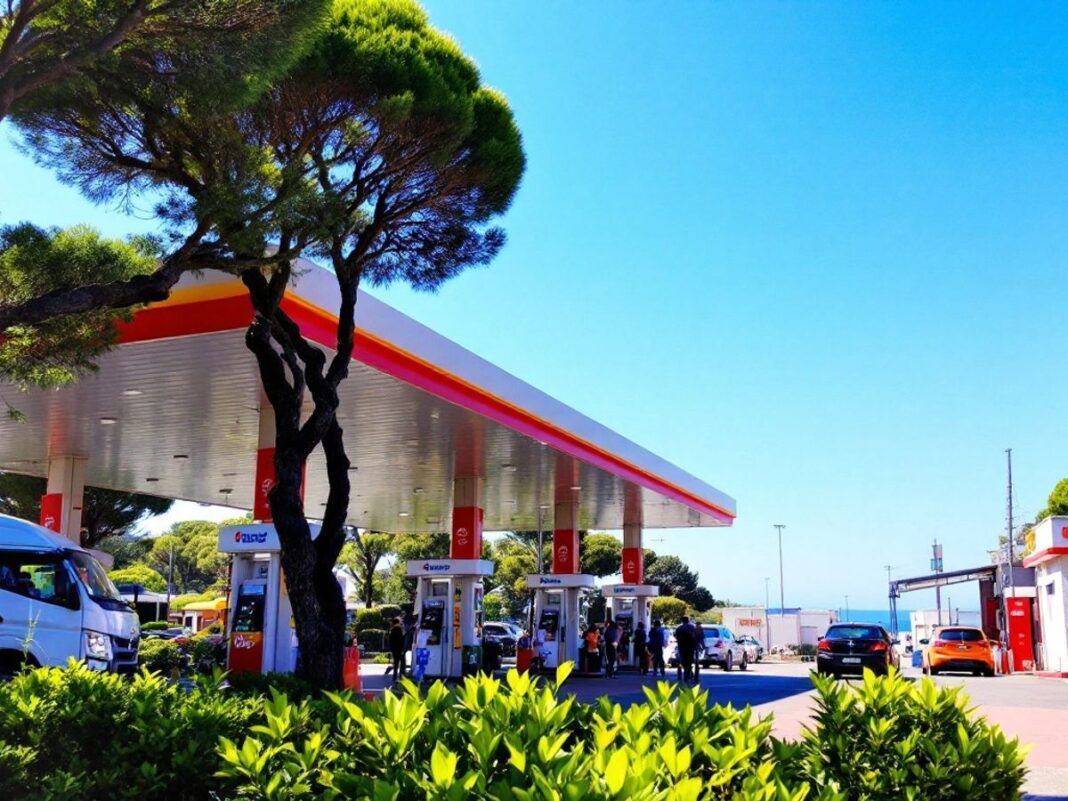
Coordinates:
(721, 648)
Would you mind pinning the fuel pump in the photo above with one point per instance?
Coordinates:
(559, 611)
(261, 633)
(448, 602)
(629, 604)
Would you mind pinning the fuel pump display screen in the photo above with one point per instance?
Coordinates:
(550, 623)
(249, 613)
(432, 620)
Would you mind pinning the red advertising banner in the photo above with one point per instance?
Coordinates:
(466, 533)
(565, 551)
(52, 511)
(246, 652)
(633, 566)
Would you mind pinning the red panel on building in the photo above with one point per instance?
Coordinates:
(52, 511)
(565, 551)
(1021, 636)
(466, 533)
(633, 566)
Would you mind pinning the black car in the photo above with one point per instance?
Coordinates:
(851, 647)
(501, 635)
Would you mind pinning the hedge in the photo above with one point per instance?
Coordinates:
(74, 734)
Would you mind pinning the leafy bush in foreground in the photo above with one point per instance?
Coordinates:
(75, 734)
(889, 738)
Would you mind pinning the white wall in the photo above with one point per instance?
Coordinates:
(924, 621)
(1051, 582)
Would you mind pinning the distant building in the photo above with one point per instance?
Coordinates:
(790, 629)
(1048, 543)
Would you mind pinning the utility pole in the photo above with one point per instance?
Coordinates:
(893, 605)
(170, 577)
(767, 620)
(1005, 639)
(847, 609)
(936, 566)
(782, 592)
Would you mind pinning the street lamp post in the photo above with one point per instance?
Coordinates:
(767, 620)
(782, 592)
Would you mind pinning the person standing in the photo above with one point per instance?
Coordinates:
(657, 644)
(593, 650)
(699, 649)
(641, 653)
(611, 648)
(686, 640)
(396, 649)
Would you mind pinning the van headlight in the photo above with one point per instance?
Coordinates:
(97, 645)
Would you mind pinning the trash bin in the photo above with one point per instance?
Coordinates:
(472, 659)
(491, 656)
(917, 658)
(523, 658)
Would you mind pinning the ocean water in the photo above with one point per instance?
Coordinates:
(879, 616)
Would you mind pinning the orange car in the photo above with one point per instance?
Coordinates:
(958, 648)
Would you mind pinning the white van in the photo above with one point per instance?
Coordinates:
(57, 602)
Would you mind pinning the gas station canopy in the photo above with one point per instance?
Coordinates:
(175, 410)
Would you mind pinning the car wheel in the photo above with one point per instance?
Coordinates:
(988, 672)
(728, 663)
(745, 662)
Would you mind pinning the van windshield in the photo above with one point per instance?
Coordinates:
(92, 575)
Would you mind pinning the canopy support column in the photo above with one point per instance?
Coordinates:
(61, 505)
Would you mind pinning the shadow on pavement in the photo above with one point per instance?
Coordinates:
(739, 689)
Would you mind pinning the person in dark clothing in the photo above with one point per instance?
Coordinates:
(641, 653)
(611, 648)
(396, 649)
(657, 643)
(699, 650)
(686, 640)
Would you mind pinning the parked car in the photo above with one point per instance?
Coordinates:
(958, 648)
(501, 634)
(721, 648)
(752, 647)
(172, 633)
(851, 647)
(57, 603)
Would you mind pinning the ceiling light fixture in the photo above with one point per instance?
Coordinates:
(575, 487)
(130, 393)
(108, 421)
(404, 514)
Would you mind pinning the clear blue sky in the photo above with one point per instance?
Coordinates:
(812, 253)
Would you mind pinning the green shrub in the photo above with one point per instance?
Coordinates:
(79, 735)
(159, 655)
(155, 625)
(251, 684)
(388, 612)
(371, 640)
(370, 618)
(890, 738)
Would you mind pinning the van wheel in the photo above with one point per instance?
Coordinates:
(11, 662)
(728, 663)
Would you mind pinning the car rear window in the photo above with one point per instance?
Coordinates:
(712, 634)
(961, 635)
(854, 633)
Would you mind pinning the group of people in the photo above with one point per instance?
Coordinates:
(690, 640)
(609, 643)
